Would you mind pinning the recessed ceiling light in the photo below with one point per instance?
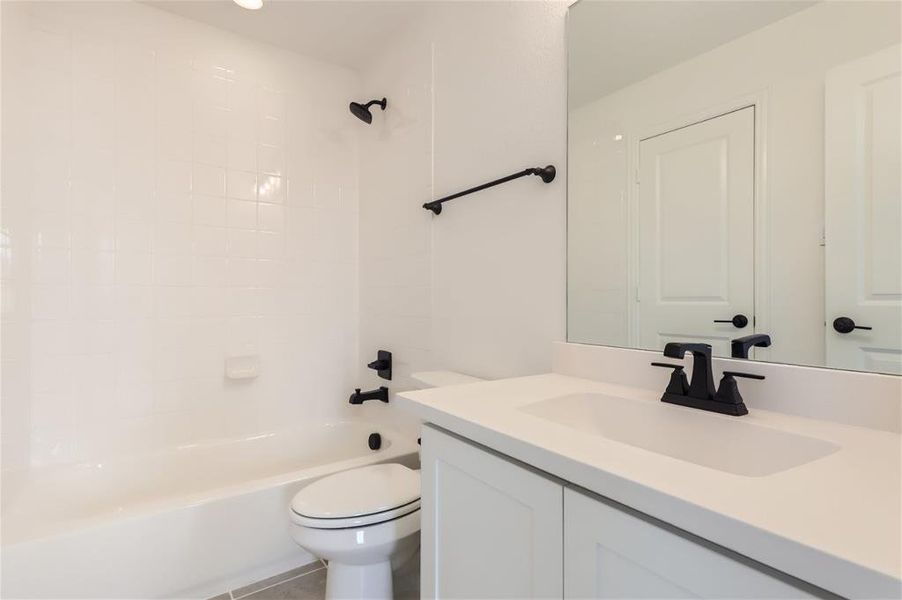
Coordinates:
(249, 4)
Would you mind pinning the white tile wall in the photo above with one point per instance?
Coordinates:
(475, 91)
(499, 257)
(168, 201)
(396, 177)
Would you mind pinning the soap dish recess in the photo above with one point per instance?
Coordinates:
(242, 367)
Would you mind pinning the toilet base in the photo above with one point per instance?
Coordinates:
(371, 582)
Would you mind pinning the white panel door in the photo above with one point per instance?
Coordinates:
(610, 553)
(490, 529)
(696, 232)
(863, 212)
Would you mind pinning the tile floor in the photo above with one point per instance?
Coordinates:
(309, 583)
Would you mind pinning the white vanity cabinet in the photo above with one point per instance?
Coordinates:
(613, 553)
(492, 528)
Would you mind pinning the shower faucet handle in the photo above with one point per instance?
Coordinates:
(382, 364)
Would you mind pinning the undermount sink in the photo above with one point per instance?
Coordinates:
(727, 444)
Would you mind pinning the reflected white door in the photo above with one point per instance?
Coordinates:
(863, 212)
(696, 232)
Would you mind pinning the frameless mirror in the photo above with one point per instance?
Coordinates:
(734, 171)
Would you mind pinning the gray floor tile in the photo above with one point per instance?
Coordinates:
(406, 580)
(271, 581)
(221, 597)
(311, 586)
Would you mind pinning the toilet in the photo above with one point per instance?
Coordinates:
(361, 521)
(364, 521)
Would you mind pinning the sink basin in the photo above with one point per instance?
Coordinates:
(727, 444)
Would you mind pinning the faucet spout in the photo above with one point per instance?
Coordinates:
(739, 348)
(359, 397)
(701, 386)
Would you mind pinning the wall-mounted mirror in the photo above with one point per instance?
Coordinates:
(734, 170)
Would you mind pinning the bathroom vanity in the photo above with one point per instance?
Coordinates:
(581, 483)
(536, 535)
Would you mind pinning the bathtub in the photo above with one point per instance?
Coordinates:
(188, 522)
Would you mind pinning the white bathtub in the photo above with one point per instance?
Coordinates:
(192, 521)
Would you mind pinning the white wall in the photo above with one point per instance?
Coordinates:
(786, 61)
(134, 320)
(476, 92)
(172, 195)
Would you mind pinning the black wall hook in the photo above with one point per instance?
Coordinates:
(546, 173)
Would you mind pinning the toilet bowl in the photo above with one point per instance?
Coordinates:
(362, 521)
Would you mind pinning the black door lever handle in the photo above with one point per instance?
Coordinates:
(738, 321)
(847, 325)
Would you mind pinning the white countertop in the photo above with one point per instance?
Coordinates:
(834, 522)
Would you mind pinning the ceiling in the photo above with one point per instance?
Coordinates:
(612, 42)
(616, 43)
(337, 31)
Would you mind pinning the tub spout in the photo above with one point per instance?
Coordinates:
(359, 397)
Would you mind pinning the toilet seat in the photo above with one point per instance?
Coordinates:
(358, 497)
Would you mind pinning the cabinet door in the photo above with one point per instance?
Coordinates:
(490, 528)
(610, 553)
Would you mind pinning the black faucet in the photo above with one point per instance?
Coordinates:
(739, 348)
(359, 397)
(700, 392)
(701, 386)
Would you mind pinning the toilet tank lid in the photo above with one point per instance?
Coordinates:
(431, 379)
(358, 492)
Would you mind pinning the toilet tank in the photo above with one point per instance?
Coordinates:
(433, 379)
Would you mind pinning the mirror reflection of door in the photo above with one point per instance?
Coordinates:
(863, 212)
(696, 233)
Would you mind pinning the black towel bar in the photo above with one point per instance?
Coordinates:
(546, 173)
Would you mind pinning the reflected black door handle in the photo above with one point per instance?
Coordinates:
(847, 325)
(738, 321)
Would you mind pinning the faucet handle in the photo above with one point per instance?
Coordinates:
(679, 384)
(668, 365)
(743, 375)
(728, 390)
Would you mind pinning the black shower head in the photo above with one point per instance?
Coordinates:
(362, 111)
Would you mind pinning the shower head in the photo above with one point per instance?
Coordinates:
(362, 111)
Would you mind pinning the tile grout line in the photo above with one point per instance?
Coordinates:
(275, 584)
